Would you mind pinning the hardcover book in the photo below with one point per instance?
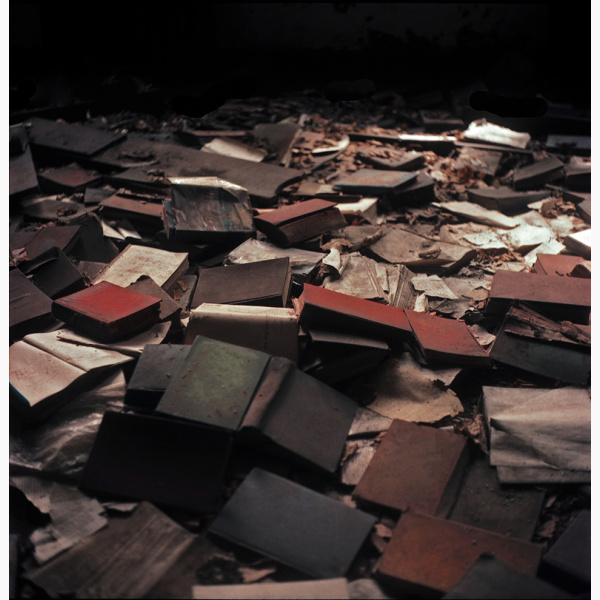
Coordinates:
(301, 221)
(294, 525)
(261, 283)
(415, 467)
(107, 312)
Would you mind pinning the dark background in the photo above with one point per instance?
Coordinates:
(110, 50)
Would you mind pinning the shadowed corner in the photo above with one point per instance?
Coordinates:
(508, 107)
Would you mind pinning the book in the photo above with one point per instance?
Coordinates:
(416, 467)
(261, 399)
(107, 312)
(280, 418)
(318, 307)
(301, 221)
(54, 273)
(70, 179)
(168, 308)
(568, 563)
(68, 139)
(429, 555)
(164, 461)
(45, 372)
(163, 267)
(29, 308)
(261, 283)
(153, 373)
(374, 181)
(270, 330)
(207, 209)
(441, 339)
(536, 175)
(332, 356)
(294, 525)
(490, 578)
(552, 294)
(504, 199)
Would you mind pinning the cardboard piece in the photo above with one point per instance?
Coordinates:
(141, 549)
(318, 590)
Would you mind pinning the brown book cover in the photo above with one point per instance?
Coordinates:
(107, 312)
(300, 221)
(555, 264)
(441, 339)
(261, 283)
(415, 467)
(429, 555)
(332, 310)
(568, 298)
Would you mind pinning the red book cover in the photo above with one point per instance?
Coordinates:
(318, 306)
(107, 311)
(446, 339)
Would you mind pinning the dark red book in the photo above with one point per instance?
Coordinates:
(334, 311)
(107, 312)
(300, 221)
(566, 298)
(440, 339)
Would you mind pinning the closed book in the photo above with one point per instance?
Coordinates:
(207, 209)
(280, 417)
(165, 461)
(261, 283)
(416, 467)
(448, 340)
(215, 384)
(107, 312)
(301, 221)
(153, 373)
(567, 298)
(29, 308)
(504, 199)
(270, 330)
(328, 309)
(373, 181)
(148, 213)
(537, 174)
(294, 525)
(429, 555)
(489, 579)
(54, 273)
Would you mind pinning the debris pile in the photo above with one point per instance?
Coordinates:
(296, 348)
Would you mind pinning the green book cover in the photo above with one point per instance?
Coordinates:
(215, 384)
